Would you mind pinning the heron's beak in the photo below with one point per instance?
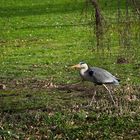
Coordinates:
(76, 66)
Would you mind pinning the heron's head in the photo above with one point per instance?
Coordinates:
(81, 65)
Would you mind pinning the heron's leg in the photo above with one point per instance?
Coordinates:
(109, 93)
(93, 98)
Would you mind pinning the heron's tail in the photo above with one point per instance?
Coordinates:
(116, 81)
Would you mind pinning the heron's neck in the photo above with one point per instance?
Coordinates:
(82, 71)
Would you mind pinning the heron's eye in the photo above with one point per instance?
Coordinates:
(81, 63)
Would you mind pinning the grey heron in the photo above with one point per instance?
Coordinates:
(98, 76)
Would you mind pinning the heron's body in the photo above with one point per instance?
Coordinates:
(98, 76)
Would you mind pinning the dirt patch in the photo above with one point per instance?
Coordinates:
(49, 84)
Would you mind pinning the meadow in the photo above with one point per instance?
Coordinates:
(39, 42)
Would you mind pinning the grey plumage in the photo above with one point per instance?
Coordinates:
(99, 76)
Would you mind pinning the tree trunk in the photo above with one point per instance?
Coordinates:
(98, 22)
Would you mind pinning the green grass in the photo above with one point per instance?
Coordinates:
(39, 41)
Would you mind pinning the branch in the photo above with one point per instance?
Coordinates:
(135, 4)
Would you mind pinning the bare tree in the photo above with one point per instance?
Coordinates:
(98, 22)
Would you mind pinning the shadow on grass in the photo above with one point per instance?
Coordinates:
(40, 9)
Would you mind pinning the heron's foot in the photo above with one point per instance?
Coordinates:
(116, 105)
(89, 104)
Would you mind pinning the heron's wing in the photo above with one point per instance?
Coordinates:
(102, 76)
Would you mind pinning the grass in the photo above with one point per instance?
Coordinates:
(38, 44)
